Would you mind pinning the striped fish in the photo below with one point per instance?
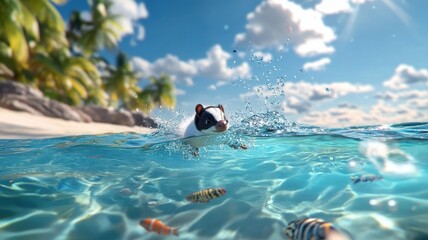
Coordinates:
(366, 178)
(155, 225)
(206, 195)
(313, 229)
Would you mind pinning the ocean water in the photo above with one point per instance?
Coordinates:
(100, 187)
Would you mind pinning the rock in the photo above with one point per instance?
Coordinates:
(143, 121)
(19, 97)
(11, 87)
(16, 96)
(108, 115)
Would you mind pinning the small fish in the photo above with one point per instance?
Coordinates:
(153, 203)
(206, 195)
(314, 229)
(155, 225)
(366, 178)
(126, 192)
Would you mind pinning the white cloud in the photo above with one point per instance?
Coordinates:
(170, 65)
(301, 95)
(396, 113)
(141, 32)
(130, 12)
(380, 113)
(402, 95)
(405, 75)
(338, 117)
(419, 103)
(179, 92)
(357, 2)
(316, 65)
(328, 7)
(217, 85)
(274, 22)
(213, 66)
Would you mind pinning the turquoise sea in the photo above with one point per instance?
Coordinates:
(100, 187)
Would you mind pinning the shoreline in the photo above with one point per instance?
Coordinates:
(23, 125)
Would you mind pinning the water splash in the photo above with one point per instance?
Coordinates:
(388, 161)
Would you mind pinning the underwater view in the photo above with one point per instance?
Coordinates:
(370, 182)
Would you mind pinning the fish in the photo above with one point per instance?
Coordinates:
(314, 229)
(204, 196)
(366, 178)
(153, 203)
(155, 225)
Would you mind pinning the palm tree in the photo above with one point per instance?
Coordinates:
(121, 82)
(160, 92)
(14, 19)
(71, 79)
(103, 30)
(23, 26)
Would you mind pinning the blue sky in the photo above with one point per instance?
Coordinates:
(322, 62)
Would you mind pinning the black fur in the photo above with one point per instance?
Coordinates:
(204, 119)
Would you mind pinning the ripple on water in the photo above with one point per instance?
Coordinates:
(99, 187)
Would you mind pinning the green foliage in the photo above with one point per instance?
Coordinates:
(160, 92)
(122, 82)
(36, 49)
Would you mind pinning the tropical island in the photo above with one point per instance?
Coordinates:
(58, 69)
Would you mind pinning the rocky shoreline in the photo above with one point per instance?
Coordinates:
(19, 97)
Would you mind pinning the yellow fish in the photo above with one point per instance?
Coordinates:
(206, 195)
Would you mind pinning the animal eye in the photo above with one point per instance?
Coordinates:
(208, 121)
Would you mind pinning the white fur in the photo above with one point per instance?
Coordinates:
(202, 138)
(188, 128)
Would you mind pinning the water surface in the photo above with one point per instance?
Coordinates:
(99, 187)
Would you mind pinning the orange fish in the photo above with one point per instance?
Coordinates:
(155, 225)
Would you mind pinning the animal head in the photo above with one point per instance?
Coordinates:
(210, 120)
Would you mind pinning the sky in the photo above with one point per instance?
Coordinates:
(330, 63)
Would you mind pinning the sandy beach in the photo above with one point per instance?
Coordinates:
(22, 125)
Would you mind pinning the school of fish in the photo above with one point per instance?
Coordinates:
(300, 229)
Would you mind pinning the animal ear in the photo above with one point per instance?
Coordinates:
(221, 107)
(199, 109)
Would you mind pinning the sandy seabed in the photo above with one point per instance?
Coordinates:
(22, 125)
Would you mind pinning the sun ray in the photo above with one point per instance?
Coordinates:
(401, 14)
(350, 23)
